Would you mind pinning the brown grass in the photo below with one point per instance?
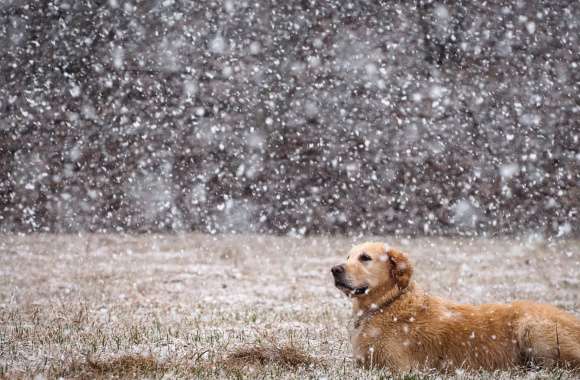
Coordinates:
(233, 307)
(287, 356)
(125, 365)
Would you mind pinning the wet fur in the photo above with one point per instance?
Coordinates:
(401, 327)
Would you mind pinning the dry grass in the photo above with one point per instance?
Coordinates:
(195, 306)
(123, 366)
(288, 356)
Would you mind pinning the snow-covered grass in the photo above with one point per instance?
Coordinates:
(233, 306)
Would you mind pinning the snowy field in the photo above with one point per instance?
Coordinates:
(177, 305)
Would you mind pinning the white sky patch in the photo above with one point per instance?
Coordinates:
(564, 229)
(229, 6)
(75, 90)
(507, 171)
(118, 57)
(217, 45)
(255, 47)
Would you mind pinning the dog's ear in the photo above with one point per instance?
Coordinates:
(401, 268)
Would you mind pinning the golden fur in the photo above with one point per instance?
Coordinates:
(399, 326)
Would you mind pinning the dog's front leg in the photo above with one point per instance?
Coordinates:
(391, 358)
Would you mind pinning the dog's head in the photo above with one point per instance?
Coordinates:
(372, 267)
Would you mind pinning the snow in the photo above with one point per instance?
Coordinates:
(217, 45)
(382, 118)
(507, 171)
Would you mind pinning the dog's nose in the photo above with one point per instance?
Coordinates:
(337, 269)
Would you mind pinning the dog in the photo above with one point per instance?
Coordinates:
(400, 327)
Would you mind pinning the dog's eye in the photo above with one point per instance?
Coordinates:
(364, 257)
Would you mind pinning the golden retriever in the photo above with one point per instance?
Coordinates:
(400, 327)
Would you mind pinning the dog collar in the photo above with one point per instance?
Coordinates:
(379, 309)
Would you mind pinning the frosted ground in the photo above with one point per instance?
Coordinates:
(176, 305)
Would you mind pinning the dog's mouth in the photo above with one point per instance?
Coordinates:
(351, 291)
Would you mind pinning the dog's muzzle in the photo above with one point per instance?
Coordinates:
(339, 281)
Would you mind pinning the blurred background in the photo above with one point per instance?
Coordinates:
(290, 117)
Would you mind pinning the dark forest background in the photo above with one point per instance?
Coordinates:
(300, 117)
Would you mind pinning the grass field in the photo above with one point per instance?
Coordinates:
(236, 306)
